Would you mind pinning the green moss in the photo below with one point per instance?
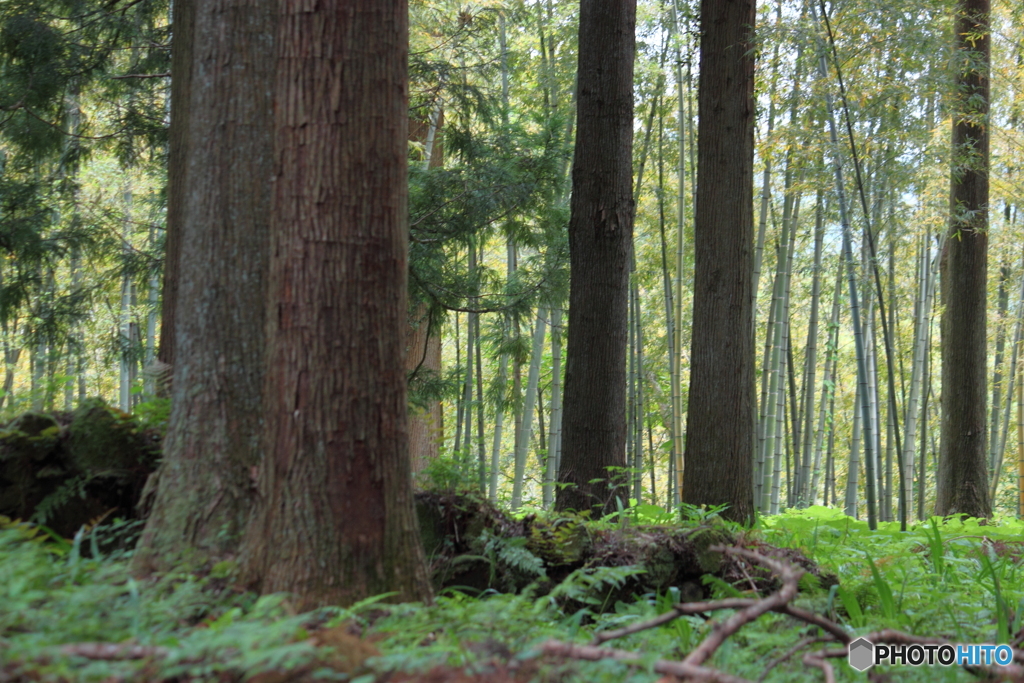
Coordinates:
(104, 438)
(31, 435)
(703, 539)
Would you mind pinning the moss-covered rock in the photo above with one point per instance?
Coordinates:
(66, 470)
(31, 435)
(102, 438)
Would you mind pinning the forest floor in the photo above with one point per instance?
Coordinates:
(70, 612)
(642, 596)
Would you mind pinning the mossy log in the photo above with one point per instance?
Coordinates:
(474, 547)
(65, 470)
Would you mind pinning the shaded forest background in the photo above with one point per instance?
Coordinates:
(84, 93)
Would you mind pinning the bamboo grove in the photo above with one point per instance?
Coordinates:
(851, 208)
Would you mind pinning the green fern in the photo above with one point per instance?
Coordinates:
(585, 583)
(60, 497)
(512, 553)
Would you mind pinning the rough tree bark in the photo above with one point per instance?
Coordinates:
(600, 239)
(963, 476)
(423, 345)
(718, 468)
(183, 26)
(423, 355)
(204, 487)
(335, 522)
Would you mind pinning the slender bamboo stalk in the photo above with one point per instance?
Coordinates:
(804, 493)
(467, 394)
(499, 419)
(917, 368)
(555, 441)
(858, 336)
(926, 390)
(780, 428)
(1002, 304)
(1018, 335)
(670, 309)
(638, 441)
(481, 454)
(459, 404)
(529, 401)
(890, 422)
(766, 175)
(677, 347)
(828, 388)
(1020, 448)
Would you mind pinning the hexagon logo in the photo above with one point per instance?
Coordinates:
(862, 654)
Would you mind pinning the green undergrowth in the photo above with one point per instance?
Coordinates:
(956, 579)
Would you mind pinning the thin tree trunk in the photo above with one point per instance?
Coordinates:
(481, 456)
(922, 470)
(638, 442)
(780, 422)
(804, 496)
(1020, 448)
(529, 405)
(423, 355)
(766, 175)
(1002, 306)
(677, 349)
(890, 422)
(1018, 336)
(858, 337)
(828, 390)
(465, 448)
(852, 503)
(555, 440)
(499, 418)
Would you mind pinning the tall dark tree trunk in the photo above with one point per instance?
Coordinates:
(182, 27)
(600, 240)
(335, 523)
(963, 480)
(720, 431)
(204, 489)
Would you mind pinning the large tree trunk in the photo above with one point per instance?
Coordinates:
(718, 467)
(963, 476)
(600, 239)
(204, 491)
(183, 26)
(336, 522)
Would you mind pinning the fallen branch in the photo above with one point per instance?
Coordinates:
(801, 644)
(113, 651)
(818, 660)
(749, 609)
(163, 75)
(661, 666)
(790, 576)
(684, 608)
